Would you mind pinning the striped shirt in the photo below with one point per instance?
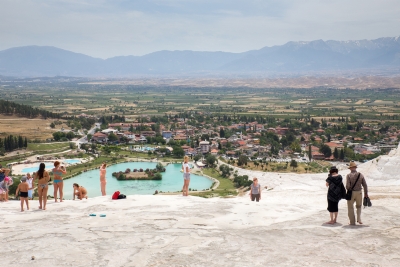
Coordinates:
(351, 179)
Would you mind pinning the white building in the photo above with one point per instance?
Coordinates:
(204, 147)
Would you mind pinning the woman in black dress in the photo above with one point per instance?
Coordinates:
(334, 182)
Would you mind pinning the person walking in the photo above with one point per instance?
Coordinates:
(355, 181)
(58, 182)
(186, 176)
(103, 180)
(43, 178)
(255, 190)
(22, 191)
(334, 182)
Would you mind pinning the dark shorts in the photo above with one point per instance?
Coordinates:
(23, 194)
(255, 197)
(333, 206)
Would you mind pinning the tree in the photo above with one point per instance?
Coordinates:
(52, 125)
(293, 164)
(178, 151)
(221, 132)
(225, 170)
(326, 150)
(341, 156)
(309, 153)
(89, 137)
(295, 146)
(197, 157)
(336, 153)
(112, 137)
(211, 159)
(242, 160)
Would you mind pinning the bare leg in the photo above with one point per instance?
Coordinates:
(61, 188)
(40, 192)
(6, 195)
(22, 203)
(336, 214)
(331, 221)
(183, 188)
(27, 203)
(44, 197)
(103, 188)
(55, 185)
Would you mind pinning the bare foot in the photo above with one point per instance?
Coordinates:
(330, 222)
(360, 222)
(40, 207)
(352, 224)
(22, 210)
(44, 208)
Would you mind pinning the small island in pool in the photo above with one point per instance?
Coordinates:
(140, 174)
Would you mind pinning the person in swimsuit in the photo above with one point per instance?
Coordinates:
(43, 178)
(79, 191)
(103, 180)
(29, 180)
(22, 189)
(186, 176)
(255, 190)
(58, 183)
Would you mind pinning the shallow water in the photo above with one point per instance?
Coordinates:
(172, 181)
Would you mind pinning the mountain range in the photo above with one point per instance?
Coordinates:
(292, 57)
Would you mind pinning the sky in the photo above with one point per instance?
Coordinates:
(108, 28)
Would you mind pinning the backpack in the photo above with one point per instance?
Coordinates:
(115, 195)
(121, 196)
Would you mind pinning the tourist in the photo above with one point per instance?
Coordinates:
(186, 176)
(29, 180)
(334, 182)
(58, 182)
(79, 191)
(43, 178)
(255, 190)
(3, 185)
(22, 189)
(103, 180)
(355, 181)
(8, 181)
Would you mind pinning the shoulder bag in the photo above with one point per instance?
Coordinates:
(350, 192)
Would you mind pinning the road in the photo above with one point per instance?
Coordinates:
(84, 140)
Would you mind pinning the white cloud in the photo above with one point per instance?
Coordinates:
(111, 28)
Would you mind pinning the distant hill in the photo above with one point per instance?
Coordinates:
(319, 55)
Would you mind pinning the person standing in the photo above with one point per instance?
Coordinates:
(103, 180)
(43, 178)
(58, 182)
(186, 176)
(355, 181)
(255, 189)
(22, 189)
(334, 182)
(29, 180)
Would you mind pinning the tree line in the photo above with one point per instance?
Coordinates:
(11, 143)
(12, 108)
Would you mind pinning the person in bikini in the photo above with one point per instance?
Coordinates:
(43, 178)
(79, 191)
(103, 180)
(22, 189)
(58, 183)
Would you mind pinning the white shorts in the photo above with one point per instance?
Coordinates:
(186, 176)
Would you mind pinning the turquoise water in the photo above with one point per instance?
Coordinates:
(30, 169)
(71, 161)
(172, 181)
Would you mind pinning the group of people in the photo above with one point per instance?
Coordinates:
(355, 182)
(41, 180)
(5, 183)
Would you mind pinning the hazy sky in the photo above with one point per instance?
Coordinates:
(107, 28)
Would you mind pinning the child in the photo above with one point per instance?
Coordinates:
(79, 191)
(8, 181)
(23, 188)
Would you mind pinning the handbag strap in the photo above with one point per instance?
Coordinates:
(355, 182)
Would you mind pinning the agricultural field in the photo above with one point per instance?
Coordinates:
(133, 101)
